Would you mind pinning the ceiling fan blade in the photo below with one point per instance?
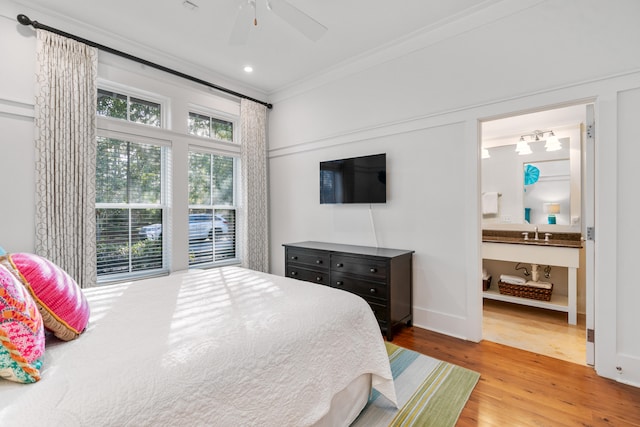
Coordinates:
(240, 31)
(299, 20)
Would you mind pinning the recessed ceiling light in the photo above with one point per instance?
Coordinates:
(248, 69)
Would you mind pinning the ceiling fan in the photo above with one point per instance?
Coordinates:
(299, 20)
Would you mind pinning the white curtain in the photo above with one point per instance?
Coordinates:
(255, 238)
(65, 140)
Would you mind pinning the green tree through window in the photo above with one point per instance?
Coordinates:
(128, 205)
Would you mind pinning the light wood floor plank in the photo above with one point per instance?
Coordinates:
(521, 388)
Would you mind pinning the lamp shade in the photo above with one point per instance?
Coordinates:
(553, 143)
(551, 208)
(522, 147)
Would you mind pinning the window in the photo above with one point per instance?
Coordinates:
(212, 212)
(138, 224)
(130, 206)
(210, 127)
(125, 107)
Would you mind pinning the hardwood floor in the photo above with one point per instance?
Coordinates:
(535, 329)
(520, 388)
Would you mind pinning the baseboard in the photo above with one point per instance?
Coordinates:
(628, 370)
(443, 323)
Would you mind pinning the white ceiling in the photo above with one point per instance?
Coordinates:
(281, 56)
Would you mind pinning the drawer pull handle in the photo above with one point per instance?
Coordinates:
(339, 283)
(373, 270)
(294, 257)
(294, 273)
(319, 261)
(372, 290)
(319, 279)
(339, 264)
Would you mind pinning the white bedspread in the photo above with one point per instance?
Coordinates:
(220, 347)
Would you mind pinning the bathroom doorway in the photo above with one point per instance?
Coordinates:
(537, 174)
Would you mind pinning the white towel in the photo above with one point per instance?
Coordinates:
(541, 285)
(512, 280)
(490, 203)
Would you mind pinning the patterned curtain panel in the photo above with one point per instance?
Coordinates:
(65, 123)
(255, 238)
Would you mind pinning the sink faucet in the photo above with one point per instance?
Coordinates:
(536, 231)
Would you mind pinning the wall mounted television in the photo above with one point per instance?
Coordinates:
(354, 180)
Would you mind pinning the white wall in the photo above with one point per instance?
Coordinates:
(416, 199)
(424, 106)
(628, 234)
(17, 154)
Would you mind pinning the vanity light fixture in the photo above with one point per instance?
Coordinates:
(553, 143)
(522, 147)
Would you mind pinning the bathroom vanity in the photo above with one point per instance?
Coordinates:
(562, 250)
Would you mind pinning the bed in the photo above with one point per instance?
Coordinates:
(226, 346)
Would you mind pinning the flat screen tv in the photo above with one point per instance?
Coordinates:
(354, 180)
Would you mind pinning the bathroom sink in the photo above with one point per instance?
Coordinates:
(531, 241)
(522, 241)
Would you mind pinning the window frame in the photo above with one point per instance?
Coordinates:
(164, 205)
(216, 115)
(176, 100)
(142, 95)
(201, 149)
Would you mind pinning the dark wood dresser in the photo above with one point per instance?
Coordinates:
(381, 276)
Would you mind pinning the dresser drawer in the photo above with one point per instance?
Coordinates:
(369, 268)
(371, 291)
(381, 276)
(380, 311)
(300, 273)
(317, 259)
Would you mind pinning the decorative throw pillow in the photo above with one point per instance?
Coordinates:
(21, 331)
(63, 306)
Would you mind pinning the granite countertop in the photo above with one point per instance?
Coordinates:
(568, 240)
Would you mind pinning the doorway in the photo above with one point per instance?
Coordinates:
(556, 202)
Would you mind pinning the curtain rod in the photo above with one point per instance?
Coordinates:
(24, 20)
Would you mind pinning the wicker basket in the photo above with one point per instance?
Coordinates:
(486, 283)
(525, 291)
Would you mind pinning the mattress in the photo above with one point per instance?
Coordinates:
(226, 346)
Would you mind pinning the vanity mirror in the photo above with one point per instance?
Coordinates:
(547, 192)
(536, 186)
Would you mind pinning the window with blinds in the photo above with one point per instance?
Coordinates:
(212, 210)
(130, 207)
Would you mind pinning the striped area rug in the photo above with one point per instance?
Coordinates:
(430, 392)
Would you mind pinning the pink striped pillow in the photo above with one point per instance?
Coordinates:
(63, 306)
(21, 331)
